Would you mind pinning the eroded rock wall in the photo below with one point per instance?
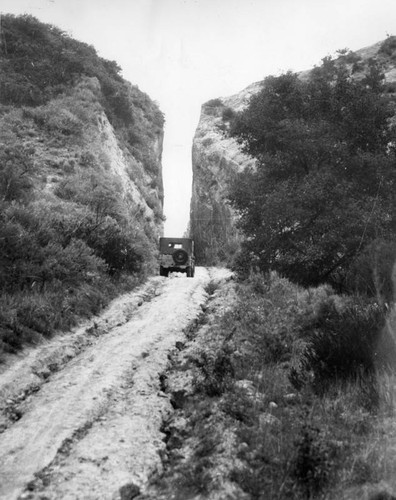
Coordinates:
(63, 162)
(215, 159)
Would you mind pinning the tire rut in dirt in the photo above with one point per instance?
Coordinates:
(15, 404)
(127, 417)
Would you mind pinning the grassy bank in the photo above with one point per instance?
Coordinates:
(292, 398)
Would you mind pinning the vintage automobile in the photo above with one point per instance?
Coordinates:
(177, 255)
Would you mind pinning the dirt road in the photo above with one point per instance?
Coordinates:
(91, 427)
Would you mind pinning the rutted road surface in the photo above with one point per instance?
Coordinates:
(92, 429)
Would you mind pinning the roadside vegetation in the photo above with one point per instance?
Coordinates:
(294, 385)
(292, 397)
(71, 237)
(318, 209)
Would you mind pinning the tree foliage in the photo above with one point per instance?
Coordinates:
(324, 183)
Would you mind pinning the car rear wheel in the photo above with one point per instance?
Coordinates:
(180, 257)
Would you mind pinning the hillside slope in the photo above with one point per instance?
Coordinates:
(217, 157)
(81, 191)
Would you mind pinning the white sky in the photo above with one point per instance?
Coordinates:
(185, 52)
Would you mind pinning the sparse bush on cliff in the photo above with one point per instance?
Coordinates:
(228, 114)
(348, 56)
(388, 47)
(55, 119)
(214, 103)
(213, 106)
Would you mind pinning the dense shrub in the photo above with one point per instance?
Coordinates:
(349, 57)
(216, 373)
(35, 255)
(325, 339)
(314, 461)
(343, 345)
(28, 315)
(16, 172)
(55, 118)
(373, 271)
(50, 276)
(55, 265)
(118, 247)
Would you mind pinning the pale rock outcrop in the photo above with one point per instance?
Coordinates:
(134, 179)
(216, 158)
(102, 147)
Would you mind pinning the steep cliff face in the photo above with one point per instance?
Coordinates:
(88, 154)
(216, 157)
(84, 129)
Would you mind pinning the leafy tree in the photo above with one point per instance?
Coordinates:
(324, 182)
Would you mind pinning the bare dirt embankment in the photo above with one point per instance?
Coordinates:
(82, 416)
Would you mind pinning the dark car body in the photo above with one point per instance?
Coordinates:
(177, 255)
